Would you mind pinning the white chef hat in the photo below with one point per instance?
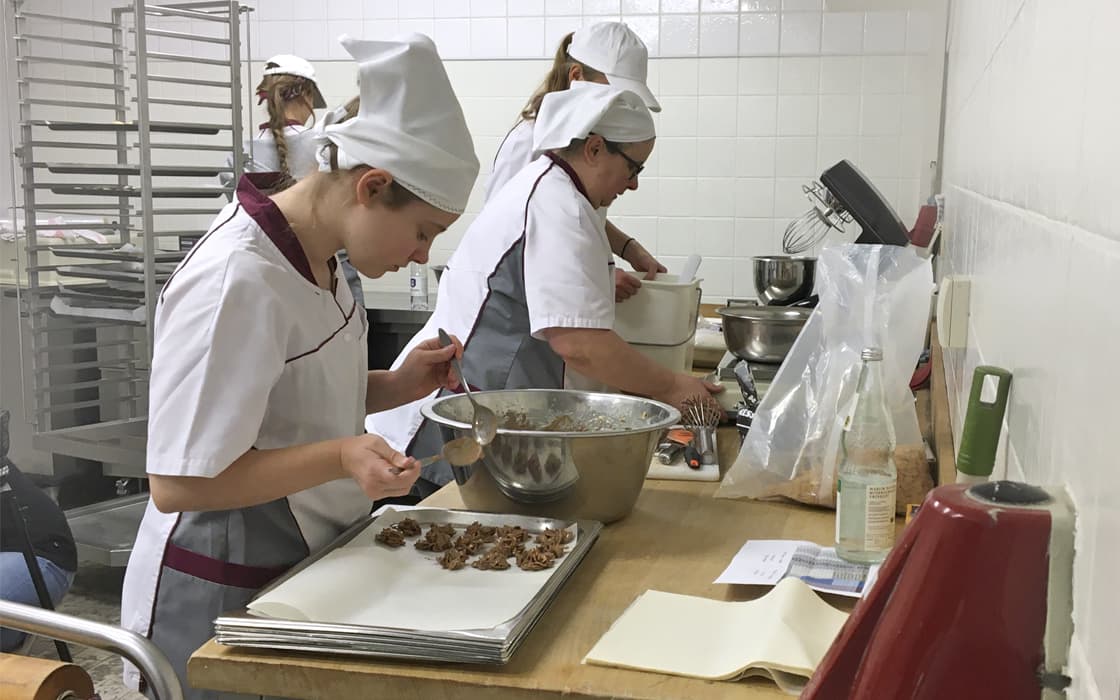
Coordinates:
(287, 64)
(585, 108)
(613, 49)
(409, 122)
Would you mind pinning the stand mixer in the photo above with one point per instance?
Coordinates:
(844, 194)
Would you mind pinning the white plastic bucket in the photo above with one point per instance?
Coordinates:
(663, 312)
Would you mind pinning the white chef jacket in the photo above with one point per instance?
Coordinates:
(537, 257)
(265, 159)
(514, 153)
(249, 354)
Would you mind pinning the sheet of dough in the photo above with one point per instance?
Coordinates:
(367, 583)
(785, 632)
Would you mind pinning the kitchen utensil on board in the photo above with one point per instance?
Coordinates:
(669, 449)
(975, 600)
(701, 415)
(987, 402)
(459, 452)
(844, 194)
(483, 422)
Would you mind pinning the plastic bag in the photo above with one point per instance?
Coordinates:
(869, 295)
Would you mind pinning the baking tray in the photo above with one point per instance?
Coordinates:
(492, 646)
(133, 191)
(113, 252)
(116, 271)
(124, 169)
(105, 532)
(165, 127)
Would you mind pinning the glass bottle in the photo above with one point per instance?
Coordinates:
(867, 477)
(418, 286)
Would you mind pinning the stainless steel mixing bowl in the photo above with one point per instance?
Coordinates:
(558, 453)
(761, 333)
(783, 280)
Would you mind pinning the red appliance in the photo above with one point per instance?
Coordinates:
(974, 601)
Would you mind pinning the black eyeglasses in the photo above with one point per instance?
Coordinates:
(635, 167)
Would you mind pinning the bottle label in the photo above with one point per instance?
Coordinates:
(879, 523)
(849, 412)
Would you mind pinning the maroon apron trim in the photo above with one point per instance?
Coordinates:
(271, 220)
(566, 167)
(220, 572)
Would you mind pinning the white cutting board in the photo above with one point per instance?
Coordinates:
(782, 635)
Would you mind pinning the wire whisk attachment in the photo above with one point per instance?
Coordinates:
(702, 414)
(808, 230)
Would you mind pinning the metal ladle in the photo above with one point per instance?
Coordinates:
(484, 423)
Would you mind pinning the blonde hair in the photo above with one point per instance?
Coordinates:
(278, 90)
(558, 77)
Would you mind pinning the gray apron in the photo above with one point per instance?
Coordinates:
(500, 353)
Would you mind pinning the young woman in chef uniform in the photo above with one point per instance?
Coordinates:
(259, 386)
(608, 53)
(530, 287)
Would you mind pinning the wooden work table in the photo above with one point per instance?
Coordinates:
(678, 539)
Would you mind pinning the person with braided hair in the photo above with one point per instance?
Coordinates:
(284, 143)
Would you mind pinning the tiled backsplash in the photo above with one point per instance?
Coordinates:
(1031, 152)
(759, 96)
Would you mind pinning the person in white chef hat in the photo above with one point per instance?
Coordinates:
(530, 287)
(285, 143)
(258, 387)
(609, 53)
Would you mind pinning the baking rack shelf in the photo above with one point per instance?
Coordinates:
(108, 163)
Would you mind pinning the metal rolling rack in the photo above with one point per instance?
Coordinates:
(126, 122)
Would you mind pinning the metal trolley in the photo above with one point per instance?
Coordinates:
(127, 123)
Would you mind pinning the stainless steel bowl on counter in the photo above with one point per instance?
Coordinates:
(558, 453)
(762, 333)
(782, 280)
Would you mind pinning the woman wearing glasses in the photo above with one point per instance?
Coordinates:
(530, 288)
(608, 53)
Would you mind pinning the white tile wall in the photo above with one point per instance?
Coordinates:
(1030, 126)
(758, 96)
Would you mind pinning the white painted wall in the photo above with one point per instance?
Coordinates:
(1032, 146)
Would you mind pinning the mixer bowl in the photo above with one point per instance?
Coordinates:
(558, 453)
(781, 280)
(761, 333)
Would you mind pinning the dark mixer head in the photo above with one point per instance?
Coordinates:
(866, 204)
